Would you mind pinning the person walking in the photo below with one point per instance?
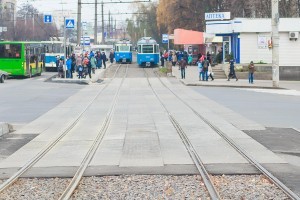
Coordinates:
(111, 56)
(205, 65)
(93, 62)
(232, 71)
(104, 59)
(61, 68)
(251, 68)
(69, 67)
(99, 60)
(162, 59)
(182, 65)
(73, 64)
(57, 63)
(89, 68)
(79, 66)
(199, 64)
(210, 72)
(208, 57)
(190, 59)
(174, 59)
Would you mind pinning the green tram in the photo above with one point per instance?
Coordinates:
(22, 58)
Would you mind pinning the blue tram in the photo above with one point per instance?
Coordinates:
(148, 52)
(123, 51)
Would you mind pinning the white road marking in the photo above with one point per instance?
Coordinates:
(275, 91)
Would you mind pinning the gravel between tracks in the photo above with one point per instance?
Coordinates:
(37, 189)
(141, 187)
(146, 187)
(247, 187)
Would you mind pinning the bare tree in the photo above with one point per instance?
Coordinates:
(30, 25)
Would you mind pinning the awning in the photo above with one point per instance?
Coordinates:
(216, 39)
(182, 37)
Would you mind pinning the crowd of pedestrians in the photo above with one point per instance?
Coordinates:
(183, 59)
(84, 64)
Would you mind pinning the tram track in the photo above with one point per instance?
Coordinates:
(9, 182)
(191, 150)
(233, 144)
(89, 156)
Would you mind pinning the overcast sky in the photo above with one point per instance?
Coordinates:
(47, 6)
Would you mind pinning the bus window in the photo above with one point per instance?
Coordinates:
(10, 50)
(140, 48)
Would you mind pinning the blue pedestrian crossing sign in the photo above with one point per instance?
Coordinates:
(47, 18)
(70, 23)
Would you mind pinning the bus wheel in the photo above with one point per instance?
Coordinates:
(2, 78)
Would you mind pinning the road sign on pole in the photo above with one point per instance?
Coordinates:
(70, 23)
(165, 38)
(47, 19)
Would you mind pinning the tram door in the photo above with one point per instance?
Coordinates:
(226, 49)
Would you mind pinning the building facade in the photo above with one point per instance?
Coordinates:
(7, 18)
(246, 40)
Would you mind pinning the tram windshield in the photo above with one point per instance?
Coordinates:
(10, 50)
(147, 49)
(123, 48)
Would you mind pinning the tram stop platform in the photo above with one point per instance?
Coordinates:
(76, 80)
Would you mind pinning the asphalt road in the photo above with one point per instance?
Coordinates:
(23, 100)
(268, 109)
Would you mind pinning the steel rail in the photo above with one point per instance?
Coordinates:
(90, 154)
(191, 150)
(49, 146)
(239, 149)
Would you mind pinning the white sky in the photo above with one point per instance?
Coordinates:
(47, 6)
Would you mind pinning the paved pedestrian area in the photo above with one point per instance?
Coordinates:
(140, 139)
(192, 79)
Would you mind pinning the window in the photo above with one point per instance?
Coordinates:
(124, 48)
(156, 49)
(147, 48)
(10, 50)
(140, 49)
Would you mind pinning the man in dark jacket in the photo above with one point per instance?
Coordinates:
(232, 71)
(205, 65)
(182, 65)
(104, 59)
(111, 56)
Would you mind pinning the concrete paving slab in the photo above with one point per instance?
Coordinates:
(141, 148)
(109, 153)
(174, 153)
(214, 151)
(65, 154)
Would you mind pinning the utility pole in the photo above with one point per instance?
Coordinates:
(103, 39)
(79, 22)
(275, 41)
(96, 26)
(108, 30)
